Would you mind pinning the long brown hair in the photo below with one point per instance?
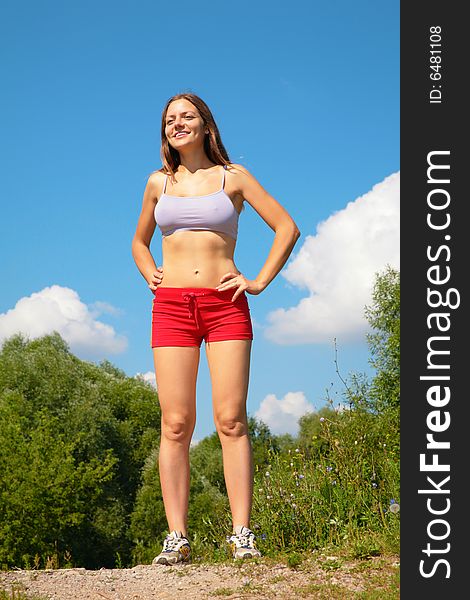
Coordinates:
(213, 146)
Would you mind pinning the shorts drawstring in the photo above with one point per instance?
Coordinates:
(180, 317)
(192, 304)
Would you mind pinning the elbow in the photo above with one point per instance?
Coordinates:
(137, 241)
(133, 246)
(136, 246)
(295, 232)
(289, 231)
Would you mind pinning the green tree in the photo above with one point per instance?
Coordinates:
(384, 342)
(310, 428)
(73, 441)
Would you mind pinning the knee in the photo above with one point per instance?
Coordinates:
(231, 427)
(177, 429)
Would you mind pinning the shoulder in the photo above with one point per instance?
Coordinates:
(237, 169)
(239, 175)
(155, 182)
(156, 176)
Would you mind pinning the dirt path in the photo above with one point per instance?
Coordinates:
(324, 577)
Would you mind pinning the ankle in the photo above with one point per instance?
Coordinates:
(180, 531)
(238, 528)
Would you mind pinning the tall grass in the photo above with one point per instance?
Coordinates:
(341, 497)
(340, 490)
(16, 594)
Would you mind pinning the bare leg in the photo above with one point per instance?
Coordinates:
(176, 373)
(229, 366)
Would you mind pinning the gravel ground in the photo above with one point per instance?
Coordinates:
(324, 577)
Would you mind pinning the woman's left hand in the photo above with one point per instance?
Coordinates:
(237, 280)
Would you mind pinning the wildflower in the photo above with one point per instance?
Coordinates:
(355, 442)
(292, 464)
(301, 476)
(268, 497)
(322, 419)
(294, 505)
(267, 474)
(329, 469)
(263, 536)
(292, 496)
(333, 482)
(394, 508)
(374, 485)
(260, 490)
(297, 450)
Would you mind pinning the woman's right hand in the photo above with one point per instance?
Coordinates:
(156, 279)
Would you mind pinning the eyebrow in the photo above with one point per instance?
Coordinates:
(183, 113)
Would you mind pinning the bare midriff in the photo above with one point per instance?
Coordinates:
(196, 258)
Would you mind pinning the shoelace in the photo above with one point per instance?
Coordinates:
(242, 540)
(170, 543)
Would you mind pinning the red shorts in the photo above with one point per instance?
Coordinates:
(186, 316)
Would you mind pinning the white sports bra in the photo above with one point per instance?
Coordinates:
(213, 212)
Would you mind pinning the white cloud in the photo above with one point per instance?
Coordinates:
(60, 309)
(282, 415)
(97, 308)
(149, 376)
(337, 266)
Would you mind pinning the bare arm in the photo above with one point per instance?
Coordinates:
(286, 231)
(144, 232)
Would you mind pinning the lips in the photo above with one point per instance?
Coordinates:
(181, 134)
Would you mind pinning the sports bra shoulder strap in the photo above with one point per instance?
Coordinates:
(164, 184)
(223, 176)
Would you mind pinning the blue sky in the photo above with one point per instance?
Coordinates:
(306, 96)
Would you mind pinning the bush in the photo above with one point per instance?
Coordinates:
(73, 440)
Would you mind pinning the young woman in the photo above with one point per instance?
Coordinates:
(196, 199)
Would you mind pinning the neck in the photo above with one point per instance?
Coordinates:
(194, 160)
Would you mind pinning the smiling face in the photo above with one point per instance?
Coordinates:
(188, 129)
(184, 125)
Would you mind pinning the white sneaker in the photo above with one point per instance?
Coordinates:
(176, 549)
(242, 543)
